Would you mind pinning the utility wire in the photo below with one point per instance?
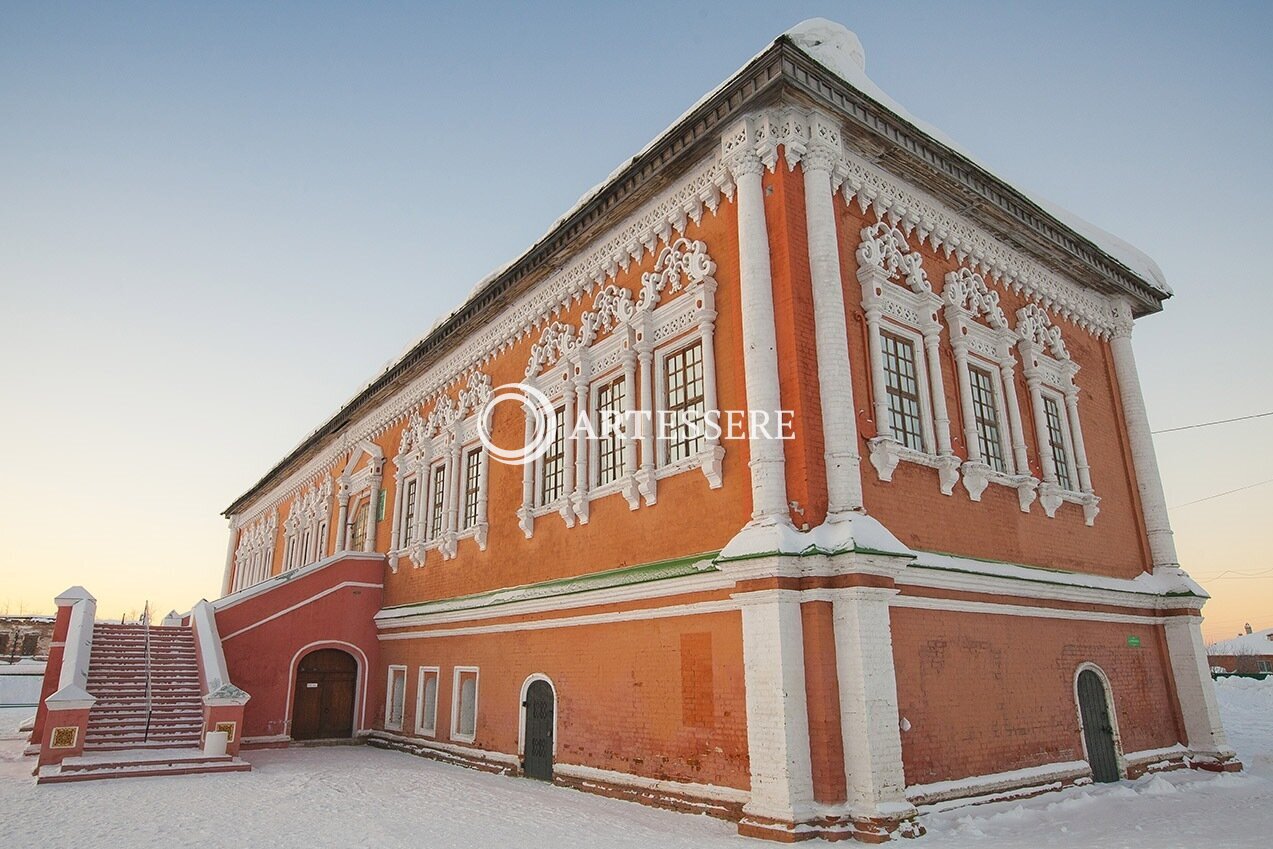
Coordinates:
(1218, 422)
(1221, 494)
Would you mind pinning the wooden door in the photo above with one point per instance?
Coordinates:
(540, 708)
(323, 707)
(1098, 730)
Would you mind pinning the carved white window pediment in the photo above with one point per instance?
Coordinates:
(898, 299)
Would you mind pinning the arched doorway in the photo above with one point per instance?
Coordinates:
(540, 707)
(1098, 726)
(326, 683)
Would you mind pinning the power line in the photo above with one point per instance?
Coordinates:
(1217, 422)
(1221, 494)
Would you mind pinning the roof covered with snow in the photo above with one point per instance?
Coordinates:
(833, 47)
(1258, 642)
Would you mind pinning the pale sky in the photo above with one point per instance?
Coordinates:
(217, 221)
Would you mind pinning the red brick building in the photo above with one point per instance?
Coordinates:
(1249, 653)
(956, 577)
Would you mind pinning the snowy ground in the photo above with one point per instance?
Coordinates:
(357, 796)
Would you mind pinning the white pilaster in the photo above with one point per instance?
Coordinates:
(1153, 503)
(760, 339)
(777, 709)
(1194, 687)
(835, 379)
(875, 782)
(227, 579)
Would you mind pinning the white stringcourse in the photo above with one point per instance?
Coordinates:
(623, 334)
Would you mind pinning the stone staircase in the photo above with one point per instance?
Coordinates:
(117, 677)
(129, 735)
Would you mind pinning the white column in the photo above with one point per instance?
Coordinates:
(1194, 687)
(971, 443)
(342, 521)
(1153, 503)
(880, 394)
(1076, 437)
(835, 377)
(399, 504)
(631, 414)
(568, 449)
(937, 389)
(1035, 385)
(373, 509)
(580, 499)
(760, 340)
(227, 579)
(527, 520)
(1021, 466)
(421, 489)
(777, 709)
(869, 721)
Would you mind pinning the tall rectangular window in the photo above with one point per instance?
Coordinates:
(683, 375)
(553, 479)
(472, 485)
(426, 707)
(1056, 442)
(464, 704)
(395, 703)
(437, 501)
(902, 387)
(407, 531)
(610, 406)
(985, 413)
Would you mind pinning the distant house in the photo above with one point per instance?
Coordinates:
(1250, 652)
(25, 637)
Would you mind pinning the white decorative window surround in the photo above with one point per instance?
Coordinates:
(675, 308)
(464, 704)
(359, 490)
(1049, 373)
(305, 530)
(395, 697)
(900, 304)
(431, 468)
(426, 702)
(254, 557)
(983, 344)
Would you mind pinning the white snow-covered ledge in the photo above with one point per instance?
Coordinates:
(1155, 591)
(986, 788)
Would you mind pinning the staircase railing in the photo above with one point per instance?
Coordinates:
(145, 622)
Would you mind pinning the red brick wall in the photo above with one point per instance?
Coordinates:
(912, 505)
(621, 693)
(986, 694)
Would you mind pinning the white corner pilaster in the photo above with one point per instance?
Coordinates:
(1194, 688)
(760, 339)
(777, 709)
(1162, 546)
(227, 579)
(875, 782)
(835, 377)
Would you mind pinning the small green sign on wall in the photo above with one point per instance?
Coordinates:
(1133, 641)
